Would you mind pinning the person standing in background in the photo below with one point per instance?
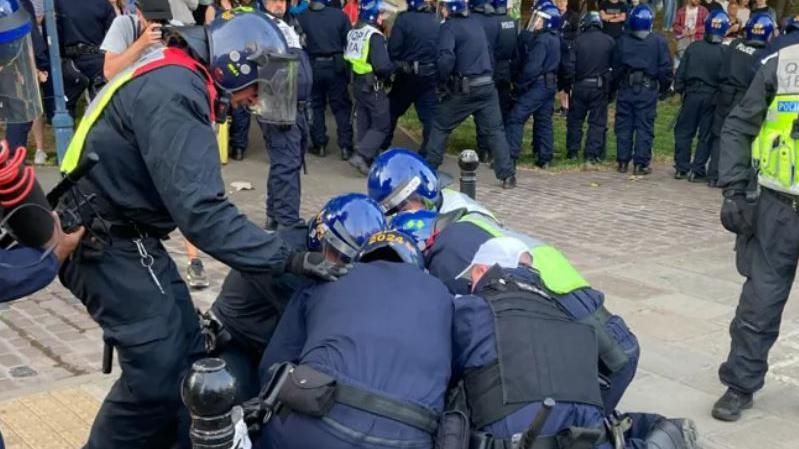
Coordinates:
(743, 11)
(689, 26)
(182, 10)
(736, 26)
(569, 27)
(613, 14)
(761, 7)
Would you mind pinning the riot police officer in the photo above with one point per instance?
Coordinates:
(287, 142)
(372, 69)
(159, 171)
(698, 80)
(536, 83)
(760, 134)
(589, 72)
(739, 66)
(484, 13)
(412, 46)
(390, 367)
(464, 67)
(326, 30)
(503, 55)
(642, 65)
(788, 37)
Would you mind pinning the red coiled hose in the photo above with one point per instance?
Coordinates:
(16, 178)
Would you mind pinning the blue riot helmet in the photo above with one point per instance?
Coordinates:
(590, 20)
(418, 224)
(347, 222)
(758, 30)
(391, 246)
(546, 16)
(369, 11)
(790, 24)
(399, 175)
(500, 6)
(20, 101)
(716, 25)
(413, 5)
(455, 7)
(640, 21)
(247, 48)
(477, 4)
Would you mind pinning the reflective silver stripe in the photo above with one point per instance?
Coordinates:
(788, 70)
(401, 194)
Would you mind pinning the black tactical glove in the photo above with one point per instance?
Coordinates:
(738, 213)
(314, 264)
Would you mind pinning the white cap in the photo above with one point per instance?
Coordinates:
(502, 251)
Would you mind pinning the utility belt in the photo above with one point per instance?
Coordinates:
(371, 83)
(336, 60)
(791, 201)
(464, 84)
(304, 390)
(640, 79)
(597, 82)
(74, 51)
(699, 86)
(418, 68)
(326, 58)
(571, 438)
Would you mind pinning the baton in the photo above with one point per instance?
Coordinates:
(531, 434)
(108, 358)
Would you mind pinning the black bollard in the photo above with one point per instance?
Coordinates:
(468, 161)
(209, 392)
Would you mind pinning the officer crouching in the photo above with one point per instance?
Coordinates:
(372, 68)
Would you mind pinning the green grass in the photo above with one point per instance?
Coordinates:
(464, 136)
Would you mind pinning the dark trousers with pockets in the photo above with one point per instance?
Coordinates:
(727, 98)
(482, 102)
(414, 90)
(768, 261)
(537, 101)
(240, 128)
(17, 135)
(695, 119)
(330, 80)
(636, 109)
(156, 336)
(372, 117)
(286, 145)
(591, 101)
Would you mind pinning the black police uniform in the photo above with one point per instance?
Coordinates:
(767, 248)
(81, 28)
(464, 64)
(782, 41)
(640, 66)
(159, 171)
(412, 46)
(569, 30)
(325, 40)
(738, 67)
(698, 80)
(589, 70)
(485, 15)
(503, 55)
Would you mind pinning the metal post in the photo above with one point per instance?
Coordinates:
(209, 392)
(468, 161)
(62, 122)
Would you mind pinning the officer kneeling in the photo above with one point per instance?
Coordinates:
(372, 355)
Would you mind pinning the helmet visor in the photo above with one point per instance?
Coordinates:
(277, 89)
(20, 100)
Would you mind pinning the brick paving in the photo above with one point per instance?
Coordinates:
(653, 244)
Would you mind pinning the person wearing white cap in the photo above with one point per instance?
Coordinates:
(515, 344)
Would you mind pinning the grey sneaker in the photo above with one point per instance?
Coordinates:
(195, 274)
(40, 158)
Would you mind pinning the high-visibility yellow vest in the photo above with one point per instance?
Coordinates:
(357, 52)
(557, 273)
(775, 152)
(166, 57)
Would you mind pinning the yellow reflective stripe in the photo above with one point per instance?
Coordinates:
(93, 112)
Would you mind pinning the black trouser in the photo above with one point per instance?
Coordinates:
(768, 261)
(727, 98)
(695, 118)
(372, 117)
(330, 80)
(482, 102)
(91, 67)
(156, 336)
(417, 90)
(587, 99)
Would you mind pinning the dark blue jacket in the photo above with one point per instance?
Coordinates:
(591, 55)
(83, 21)
(384, 327)
(474, 346)
(161, 170)
(378, 56)
(780, 42)
(414, 37)
(650, 55)
(491, 26)
(463, 48)
(538, 54)
(24, 271)
(325, 30)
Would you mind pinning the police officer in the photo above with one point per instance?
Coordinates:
(741, 60)
(287, 142)
(536, 84)
(788, 37)
(514, 347)
(390, 367)
(698, 80)
(326, 30)
(372, 69)
(641, 65)
(412, 46)
(768, 230)
(160, 170)
(484, 13)
(503, 55)
(464, 67)
(589, 70)
(81, 29)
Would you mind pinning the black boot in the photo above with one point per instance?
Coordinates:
(680, 174)
(729, 406)
(641, 170)
(542, 165)
(237, 154)
(509, 182)
(622, 167)
(360, 164)
(693, 177)
(346, 153)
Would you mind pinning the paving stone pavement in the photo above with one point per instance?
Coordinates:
(653, 245)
